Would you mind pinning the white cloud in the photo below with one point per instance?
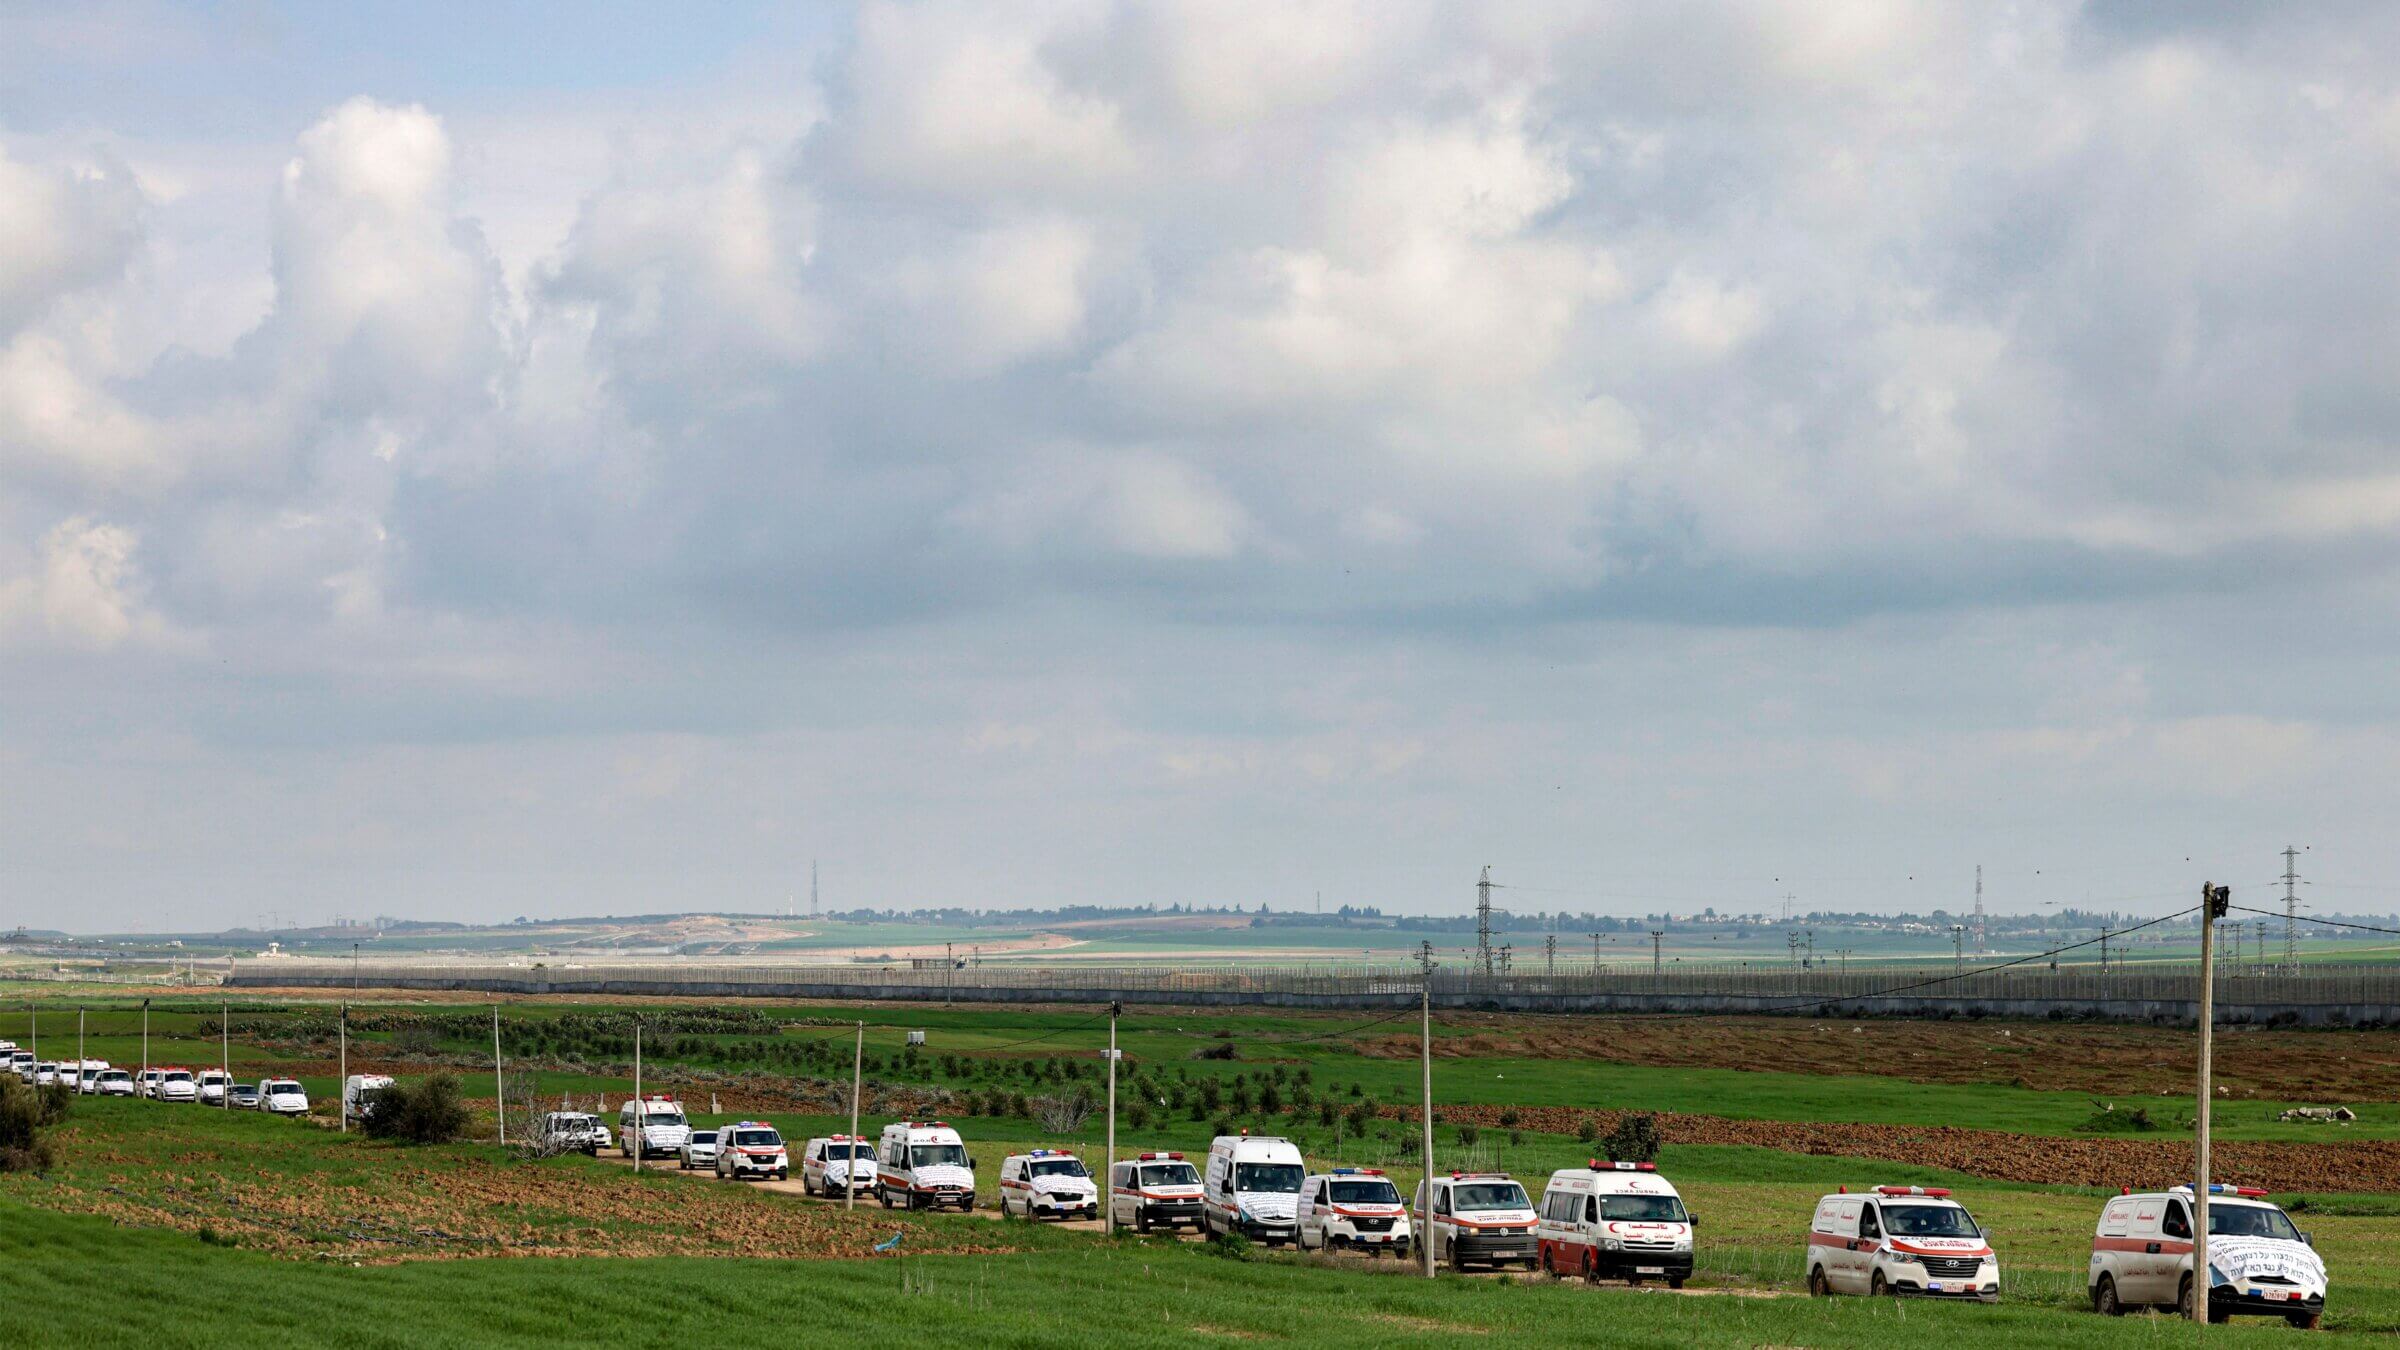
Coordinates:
(84, 590)
(61, 230)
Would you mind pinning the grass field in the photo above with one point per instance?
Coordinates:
(681, 1257)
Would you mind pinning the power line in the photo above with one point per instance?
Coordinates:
(2329, 923)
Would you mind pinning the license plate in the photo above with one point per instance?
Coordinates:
(1649, 1270)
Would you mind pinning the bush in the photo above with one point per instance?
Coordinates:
(1587, 1129)
(425, 1112)
(1468, 1134)
(26, 1117)
(1223, 1050)
(1634, 1140)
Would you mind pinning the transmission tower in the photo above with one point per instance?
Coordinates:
(812, 888)
(2291, 910)
(1550, 955)
(1980, 948)
(1483, 921)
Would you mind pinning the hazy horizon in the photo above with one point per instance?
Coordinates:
(461, 462)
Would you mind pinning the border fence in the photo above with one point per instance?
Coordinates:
(2318, 995)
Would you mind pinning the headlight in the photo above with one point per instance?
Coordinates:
(1611, 1244)
(1898, 1255)
(2216, 1275)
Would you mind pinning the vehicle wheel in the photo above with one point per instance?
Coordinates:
(1548, 1261)
(1458, 1259)
(2306, 1321)
(2104, 1298)
(1591, 1268)
(884, 1196)
(1141, 1222)
(1877, 1287)
(1675, 1281)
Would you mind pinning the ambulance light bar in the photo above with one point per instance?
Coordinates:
(1358, 1171)
(1938, 1192)
(1154, 1157)
(1599, 1166)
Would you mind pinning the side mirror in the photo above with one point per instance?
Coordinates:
(1692, 1219)
(2308, 1238)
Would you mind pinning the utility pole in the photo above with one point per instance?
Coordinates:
(858, 1061)
(2214, 902)
(1657, 957)
(949, 968)
(641, 1111)
(812, 888)
(1108, 1220)
(79, 1047)
(1844, 953)
(499, 1083)
(353, 967)
(2291, 910)
(1483, 921)
(1550, 954)
(1425, 1061)
(344, 1070)
(1506, 951)
(1958, 941)
(225, 1054)
(144, 1080)
(1595, 937)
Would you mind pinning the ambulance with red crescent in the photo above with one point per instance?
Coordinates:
(925, 1165)
(1154, 1190)
(1352, 1207)
(2259, 1262)
(1478, 1216)
(1900, 1240)
(1617, 1221)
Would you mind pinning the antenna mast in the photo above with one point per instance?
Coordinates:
(2291, 910)
(1980, 948)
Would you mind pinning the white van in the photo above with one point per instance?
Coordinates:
(145, 1083)
(1153, 1190)
(576, 1130)
(1351, 1207)
(1899, 1240)
(925, 1164)
(1048, 1181)
(355, 1102)
(1478, 1216)
(833, 1161)
(2259, 1262)
(283, 1097)
(213, 1083)
(80, 1075)
(751, 1148)
(1615, 1220)
(652, 1125)
(1252, 1187)
(22, 1062)
(113, 1083)
(176, 1085)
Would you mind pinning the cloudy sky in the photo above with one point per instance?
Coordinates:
(473, 460)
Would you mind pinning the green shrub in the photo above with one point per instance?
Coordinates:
(27, 1115)
(1634, 1140)
(425, 1112)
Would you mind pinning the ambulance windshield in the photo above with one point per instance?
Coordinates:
(1169, 1174)
(1642, 1208)
(1374, 1192)
(937, 1155)
(1056, 1167)
(2265, 1221)
(1929, 1221)
(1285, 1177)
(1490, 1195)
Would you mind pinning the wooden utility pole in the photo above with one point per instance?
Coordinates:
(1425, 1188)
(2214, 901)
(499, 1082)
(641, 1115)
(344, 1114)
(858, 1061)
(1108, 1217)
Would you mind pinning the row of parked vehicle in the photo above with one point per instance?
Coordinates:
(1605, 1220)
(164, 1083)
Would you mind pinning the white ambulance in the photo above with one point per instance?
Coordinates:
(356, 1101)
(1615, 1220)
(1252, 1187)
(653, 1125)
(826, 1164)
(1047, 1181)
(1352, 1207)
(925, 1165)
(1478, 1216)
(1153, 1190)
(113, 1083)
(213, 1083)
(2259, 1263)
(82, 1075)
(283, 1097)
(1899, 1240)
(176, 1084)
(751, 1148)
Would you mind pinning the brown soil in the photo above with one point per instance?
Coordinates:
(2309, 1066)
(2362, 1165)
